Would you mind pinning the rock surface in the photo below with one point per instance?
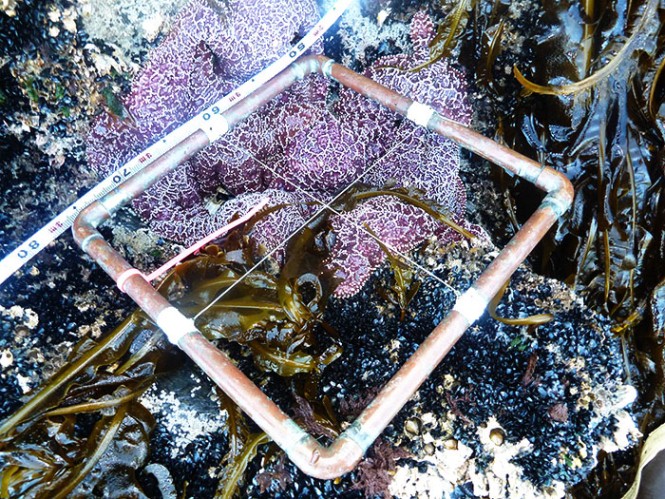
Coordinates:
(511, 411)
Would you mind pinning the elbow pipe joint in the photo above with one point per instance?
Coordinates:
(560, 191)
(85, 225)
(326, 463)
(558, 201)
(94, 214)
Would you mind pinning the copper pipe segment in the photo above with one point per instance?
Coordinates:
(345, 452)
(473, 302)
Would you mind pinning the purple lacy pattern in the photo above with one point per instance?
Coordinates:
(356, 253)
(236, 160)
(325, 158)
(187, 71)
(294, 148)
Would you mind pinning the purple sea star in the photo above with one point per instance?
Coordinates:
(296, 148)
(210, 50)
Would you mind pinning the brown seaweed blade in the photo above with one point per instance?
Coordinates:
(447, 33)
(237, 467)
(406, 286)
(491, 51)
(608, 69)
(414, 199)
(110, 349)
(532, 320)
(656, 85)
(90, 384)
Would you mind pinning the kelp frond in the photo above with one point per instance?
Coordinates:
(412, 197)
(45, 430)
(236, 469)
(491, 51)
(406, 286)
(447, 33)
(608, 69)
(651, 103)
(532, 320)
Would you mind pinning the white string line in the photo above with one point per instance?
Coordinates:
(403, 256)
(259, 263)
(288, 238)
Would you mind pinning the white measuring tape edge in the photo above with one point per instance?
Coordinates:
(207, 120)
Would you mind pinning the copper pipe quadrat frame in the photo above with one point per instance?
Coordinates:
(348, 449)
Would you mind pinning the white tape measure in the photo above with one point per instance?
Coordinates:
(205, 121)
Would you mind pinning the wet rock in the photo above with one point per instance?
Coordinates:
(491, 374)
